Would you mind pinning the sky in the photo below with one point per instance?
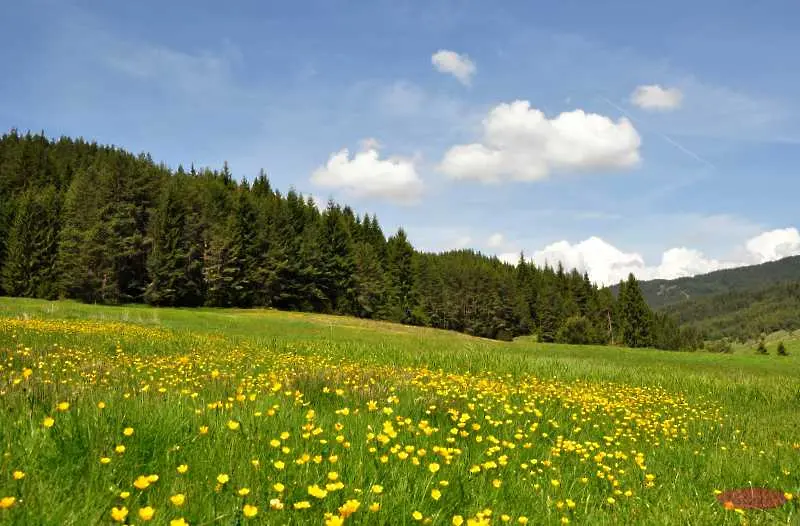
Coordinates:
(661, 139)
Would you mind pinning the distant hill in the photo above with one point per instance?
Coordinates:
(740, 303)
(660, 293)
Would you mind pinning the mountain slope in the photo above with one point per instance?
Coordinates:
(660, 293)
(744, 314)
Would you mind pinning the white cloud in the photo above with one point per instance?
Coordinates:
(607, 264)
(654, 97)
(775, 244)
(521, 143)
(460, 66)
(366, 175)
(495, 240)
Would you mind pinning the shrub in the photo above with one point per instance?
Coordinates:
(762, 348)
(720, 346)
(782, 349)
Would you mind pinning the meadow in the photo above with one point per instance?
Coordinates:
(134, 415)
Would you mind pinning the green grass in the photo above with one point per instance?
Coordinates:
(700, 421)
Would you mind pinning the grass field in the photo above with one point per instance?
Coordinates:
(165, 416)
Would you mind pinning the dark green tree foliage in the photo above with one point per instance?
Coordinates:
(636, 315)
(337, 265)
(32, 245)
(175, 263)
(98, 224)
(400, 302)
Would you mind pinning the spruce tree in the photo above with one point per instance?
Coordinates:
(174, 265)
(636, 315)
(400, 278)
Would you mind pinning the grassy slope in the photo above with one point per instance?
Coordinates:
(759, 395)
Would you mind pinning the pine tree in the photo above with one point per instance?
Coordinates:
(636, 316)
(29, 268)
(175, 266)
(400, 278)
(369, 281)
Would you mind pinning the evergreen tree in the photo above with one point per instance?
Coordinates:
(29, 268)
(368, 280)
(400, 278)
(636, 316)
(175, 265)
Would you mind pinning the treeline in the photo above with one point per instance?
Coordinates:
(742, 315)
(98, 224)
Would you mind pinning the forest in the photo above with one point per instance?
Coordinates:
(98, 224)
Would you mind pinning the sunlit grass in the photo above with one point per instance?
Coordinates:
(141, 415)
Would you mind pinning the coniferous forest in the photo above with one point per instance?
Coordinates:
(98, 224)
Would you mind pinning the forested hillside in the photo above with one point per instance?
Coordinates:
(98, 224)
(742, 315)
(660, 293)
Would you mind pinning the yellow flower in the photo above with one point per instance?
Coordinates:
(458, 520)
(233, 425)
(436, 494)
(183, 468)
(19, 475)
(178, 499)
(120, 449)
(63, 406)
(349, 508)
(377, 489)
(48, 421)
(119, 514)
(433, 467)
(101, 405)
(417, 516)
(141, 482)
(279, 464)
(223, 478)
(788, 496)
(249, 511)
(375, 506)
(523, 520)
(128, 431)
(178, 522)
(610, 500)
(276, 504)
(243, 492)
(496, 483)
(333, 475)
(124, 494)
(105, 460)
(302, 505)
(278, 487)
(203, 431)
(146, 513)
(7, 502)
(316, 491)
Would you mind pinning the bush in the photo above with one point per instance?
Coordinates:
(576, 331)
(720, 346)
(782, 349)
(762, 348)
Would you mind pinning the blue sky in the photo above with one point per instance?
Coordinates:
(699, 172)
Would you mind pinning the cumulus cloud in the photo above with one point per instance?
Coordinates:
(655, 97)
(367, 175)
(452, 63)
(607, 264)
(775, 244)
(519, 142)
